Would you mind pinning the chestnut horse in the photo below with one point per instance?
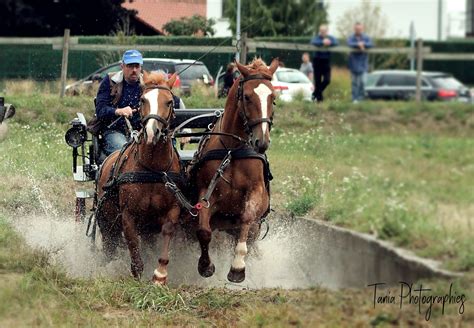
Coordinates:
(133, 198)
(233, 189)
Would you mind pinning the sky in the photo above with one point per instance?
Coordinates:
(456, 5)
(400, 13)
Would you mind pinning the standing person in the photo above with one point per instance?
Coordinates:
(358, 60)
(229, 78)
(322, 61)
(306, 66)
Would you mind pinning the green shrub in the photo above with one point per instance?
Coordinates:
(301, 205)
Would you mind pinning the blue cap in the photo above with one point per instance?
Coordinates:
(132, 57)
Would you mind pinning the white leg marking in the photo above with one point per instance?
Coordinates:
(240, 252)
(263, 92)
(152, 97)
(159, 274)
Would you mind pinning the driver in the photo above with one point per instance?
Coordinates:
(119, 96)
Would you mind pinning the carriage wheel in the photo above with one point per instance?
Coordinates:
(80, 210)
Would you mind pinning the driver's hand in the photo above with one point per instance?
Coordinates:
(125, 111)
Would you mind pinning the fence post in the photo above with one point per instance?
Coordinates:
(243, 48)
(419, 68)
(64, 61)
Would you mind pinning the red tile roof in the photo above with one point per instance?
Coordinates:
(157, 13)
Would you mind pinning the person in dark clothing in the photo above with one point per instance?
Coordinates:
(119, 96)
(229, 78)
(322, 61)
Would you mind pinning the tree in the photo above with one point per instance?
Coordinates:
(375, 25)
(51, 17)
(190, 26)
(277, 18)
(367, 13)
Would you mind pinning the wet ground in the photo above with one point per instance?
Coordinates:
(296, 253)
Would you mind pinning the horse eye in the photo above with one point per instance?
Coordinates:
(247, 98)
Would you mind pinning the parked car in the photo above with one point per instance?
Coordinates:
(289, 82)
(197, 72)
(401, 85)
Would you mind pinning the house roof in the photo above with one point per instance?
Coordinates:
(156, 13)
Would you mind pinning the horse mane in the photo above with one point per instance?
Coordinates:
(259, 66)
(155, 78)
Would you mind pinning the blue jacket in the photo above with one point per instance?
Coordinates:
(359, 60)
(318, 42)
(105, 111)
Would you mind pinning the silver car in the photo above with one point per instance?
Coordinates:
(401, 85)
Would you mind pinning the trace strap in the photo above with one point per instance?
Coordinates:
(219, 174)
(171, 186)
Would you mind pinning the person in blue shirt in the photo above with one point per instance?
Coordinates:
(119, 96)
(322, 61)
(358, 60)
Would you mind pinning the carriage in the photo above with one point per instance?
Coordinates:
(143, 190)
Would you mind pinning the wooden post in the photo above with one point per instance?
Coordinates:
(419, 69)
(64, 62)
(243, 48)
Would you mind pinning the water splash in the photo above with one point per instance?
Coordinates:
(297, 253)
(269, 263)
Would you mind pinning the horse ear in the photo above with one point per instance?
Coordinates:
(242, 69)
(172, 80)
(274, 65)
(145, 75)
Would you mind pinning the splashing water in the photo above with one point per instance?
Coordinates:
(297, 253)
(270, 262)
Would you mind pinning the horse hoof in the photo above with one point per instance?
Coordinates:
(236, 275)
(208, 271)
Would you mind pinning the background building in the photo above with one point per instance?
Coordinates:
(153, 14)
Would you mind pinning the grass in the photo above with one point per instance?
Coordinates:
(37, 293)
(402, 171)
(402, 187)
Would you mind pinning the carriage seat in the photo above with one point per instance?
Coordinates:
(185, 156)
(98, 152)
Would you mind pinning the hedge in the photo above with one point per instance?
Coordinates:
(41, 62)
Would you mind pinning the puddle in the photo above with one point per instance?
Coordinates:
(297, 253)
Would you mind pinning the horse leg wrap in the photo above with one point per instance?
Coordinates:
(159, 278)
(240, 252)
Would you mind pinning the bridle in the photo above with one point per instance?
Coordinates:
(165, 121)
(249, 124)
